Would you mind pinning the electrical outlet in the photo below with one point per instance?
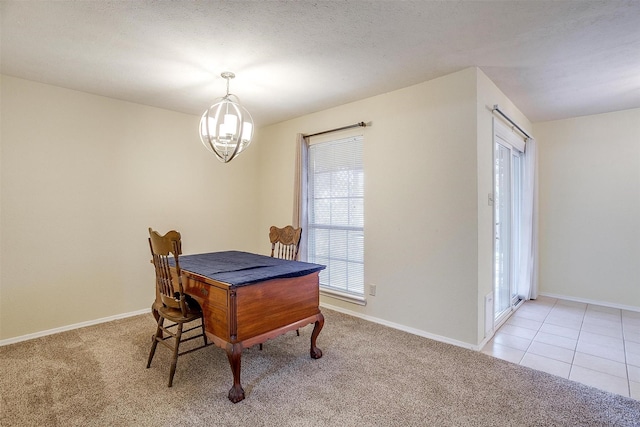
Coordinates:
(372, 290)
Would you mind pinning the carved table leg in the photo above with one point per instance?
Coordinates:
(315, 352)
(234, 353)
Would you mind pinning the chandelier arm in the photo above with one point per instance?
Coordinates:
(209, 140)
(239, 137)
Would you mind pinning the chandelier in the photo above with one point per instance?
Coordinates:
(226, 128)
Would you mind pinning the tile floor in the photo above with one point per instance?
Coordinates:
(595, 345)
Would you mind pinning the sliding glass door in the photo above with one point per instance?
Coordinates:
(507, 215)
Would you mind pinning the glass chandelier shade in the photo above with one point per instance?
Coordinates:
(226, 128)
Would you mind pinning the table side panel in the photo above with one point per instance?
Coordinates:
(265, 306)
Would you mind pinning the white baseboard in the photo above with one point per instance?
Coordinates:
(594, 302)
(403, 328)
(393, 325)
(71, 327)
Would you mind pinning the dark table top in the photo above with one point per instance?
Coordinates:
(243, 268)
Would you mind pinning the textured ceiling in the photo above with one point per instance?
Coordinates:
(553, 59)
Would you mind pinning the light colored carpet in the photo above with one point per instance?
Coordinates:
(370, 375)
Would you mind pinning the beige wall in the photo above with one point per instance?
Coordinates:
(83, 177)
(421, 210)
(74, 165)
(590, 207)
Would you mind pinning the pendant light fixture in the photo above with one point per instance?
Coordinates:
(226, 128)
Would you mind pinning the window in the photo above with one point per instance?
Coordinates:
(335, 209)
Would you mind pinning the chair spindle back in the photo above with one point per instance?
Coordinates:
(285, 242)
(162, 249)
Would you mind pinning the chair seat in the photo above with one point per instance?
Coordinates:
(175, 315)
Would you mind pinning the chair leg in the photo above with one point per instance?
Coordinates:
(174, 361)
(298, 332)
(155, 341)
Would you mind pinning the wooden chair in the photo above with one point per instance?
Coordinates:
(285, 242)
(177, 307)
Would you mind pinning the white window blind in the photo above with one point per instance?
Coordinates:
(335, 200)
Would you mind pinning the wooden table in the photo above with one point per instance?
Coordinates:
(248, 299)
